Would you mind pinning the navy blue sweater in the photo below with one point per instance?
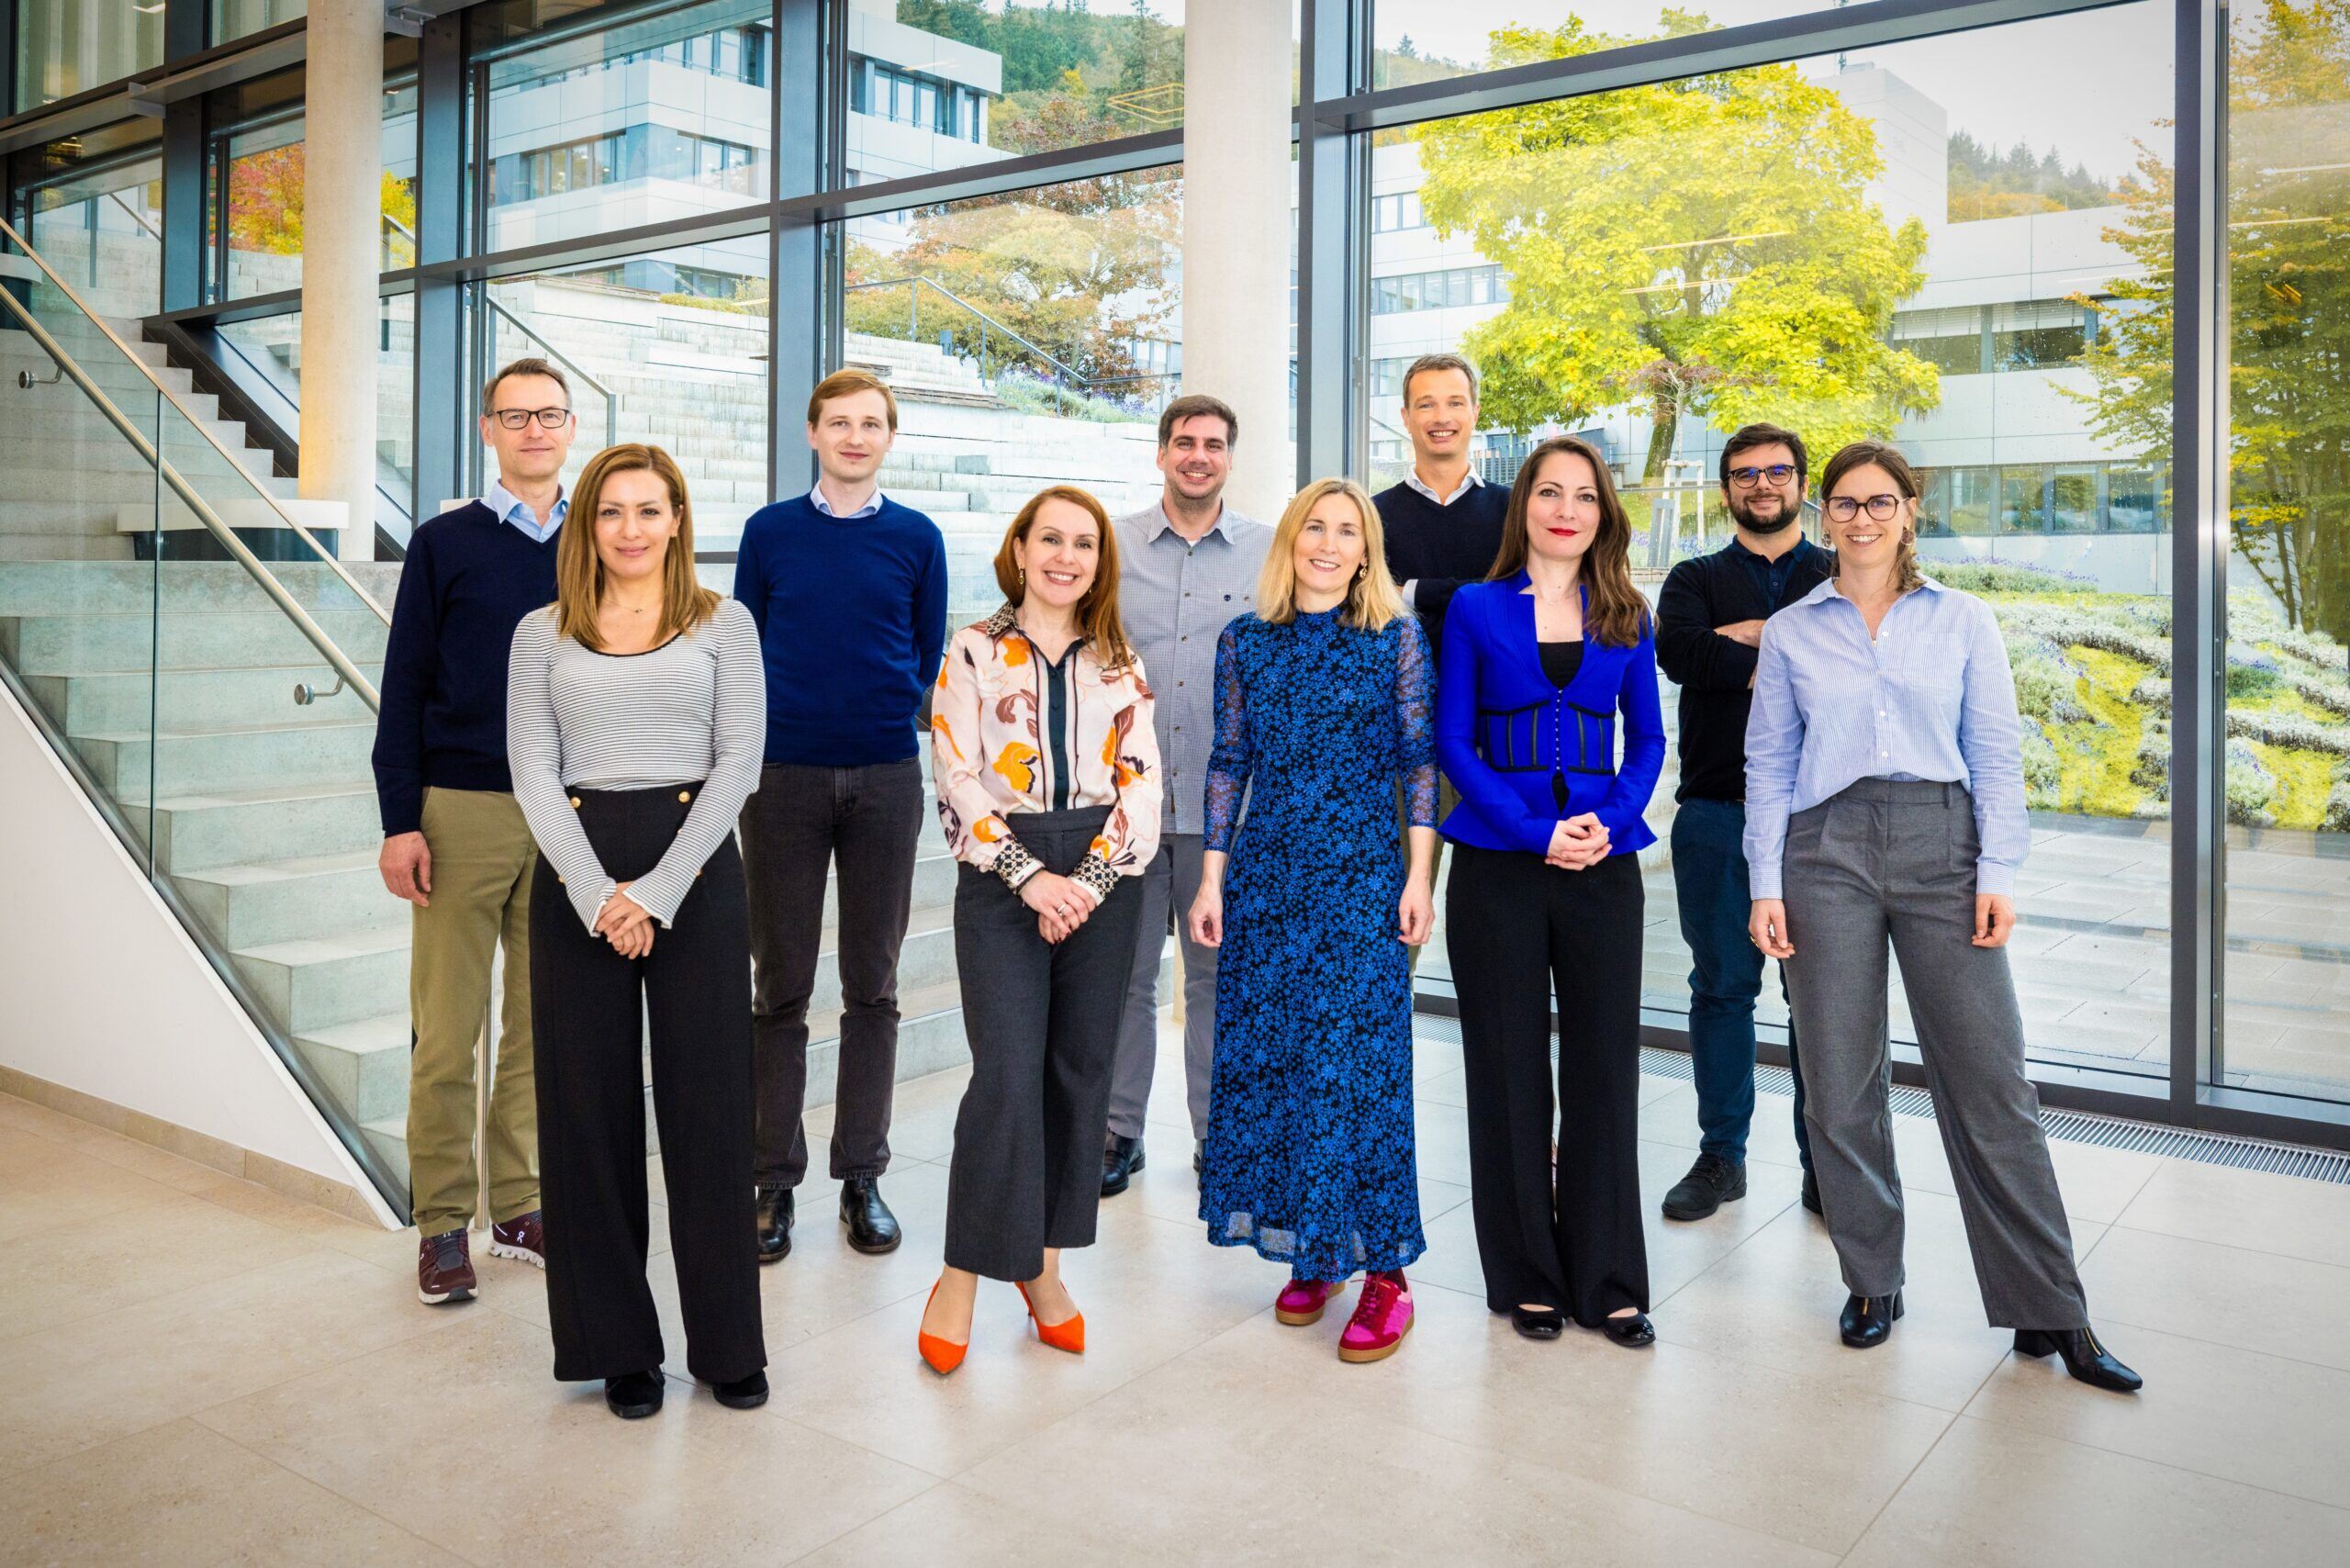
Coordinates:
(468, 582)
(852, 617)
(1442, 547)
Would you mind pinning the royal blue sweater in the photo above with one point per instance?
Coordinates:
(468, 582)
(852, 618)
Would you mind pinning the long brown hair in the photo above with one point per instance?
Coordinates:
(1881, 455)
(1373, 598)
(579, 570)
(1097, 612)
(1619, 614)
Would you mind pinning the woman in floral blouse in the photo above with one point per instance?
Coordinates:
(1046, 769)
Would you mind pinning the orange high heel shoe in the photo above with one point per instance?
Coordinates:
(1068, 1335)
(942, 1356)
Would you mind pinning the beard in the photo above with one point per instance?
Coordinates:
(1742, 511)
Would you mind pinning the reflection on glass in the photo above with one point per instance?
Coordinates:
(102, 230)
(68, 47)
(257, 203)
(670, 348)
(1030, 338)
(236, 19)
(2286, 1021)
(659, 117)
(1947, 273)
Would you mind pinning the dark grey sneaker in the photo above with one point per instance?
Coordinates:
(1711, 1183)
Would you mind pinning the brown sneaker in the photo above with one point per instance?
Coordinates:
(444, 1269)
(523, 1238)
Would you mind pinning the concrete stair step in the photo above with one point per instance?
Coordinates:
(63, 641)
(89, 703)
(132, 588)
(364, 1066)
(308, 983)
(98, 545)
(254, 904)
(195, 832)
(229, 756)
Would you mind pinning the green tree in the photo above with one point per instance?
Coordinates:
(2288, 222)
(1704, 247)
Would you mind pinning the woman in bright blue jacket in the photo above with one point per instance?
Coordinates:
(1546, 894)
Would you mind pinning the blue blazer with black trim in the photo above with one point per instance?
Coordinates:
(1505, 734)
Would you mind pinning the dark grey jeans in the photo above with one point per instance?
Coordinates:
(800, 823)
(1043, 1020)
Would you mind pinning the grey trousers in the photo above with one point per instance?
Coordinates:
(1167, 890)
(1890, 860)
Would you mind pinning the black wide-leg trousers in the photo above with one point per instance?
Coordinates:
(591, 1007)
(1517, 931)
(1044, 1021)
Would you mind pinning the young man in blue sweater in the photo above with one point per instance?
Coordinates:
(849, 592)
(455, 846)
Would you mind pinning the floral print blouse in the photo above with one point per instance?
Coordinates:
(1011, 732)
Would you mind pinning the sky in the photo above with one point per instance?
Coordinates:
(2085, 84)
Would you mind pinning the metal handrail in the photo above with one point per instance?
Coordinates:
(136, 216)
(1085, 383)
(611, 404)
(194, 422)
(220, 531)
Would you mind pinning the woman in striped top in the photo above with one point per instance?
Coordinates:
(1047, 772)
(636, 711)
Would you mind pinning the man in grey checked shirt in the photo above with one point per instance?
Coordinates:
(1186, 568)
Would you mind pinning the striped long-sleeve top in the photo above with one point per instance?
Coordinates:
(692, 711)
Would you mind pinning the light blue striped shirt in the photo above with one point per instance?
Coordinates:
(512, 508)
(1929, 698)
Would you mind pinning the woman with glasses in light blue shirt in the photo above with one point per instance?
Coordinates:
(1885, 802)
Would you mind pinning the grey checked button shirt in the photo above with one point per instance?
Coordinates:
(1176, 598)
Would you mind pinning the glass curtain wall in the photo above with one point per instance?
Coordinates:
(68, 47)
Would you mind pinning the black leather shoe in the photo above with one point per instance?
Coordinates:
(743, 1393)
(1868, 1319)
(1811, 1194)
(633, 1395)
(1538, 1322)
(2088, 1360)
(1711, 1183)
(871, 1227)
(1629, 1332)
(774, 1224)
(1121, 1158)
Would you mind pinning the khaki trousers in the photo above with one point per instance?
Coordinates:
(482, 855)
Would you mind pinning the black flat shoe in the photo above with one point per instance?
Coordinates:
(1538, 1322)
(1868, 1319)
(1711, 1183)
(2088, 1360)
(871, 1227)
(633, 1395)
(774, 1213)
(1811, 1194)
(1632, 1332)
(743, 1393)
(1121, 1158)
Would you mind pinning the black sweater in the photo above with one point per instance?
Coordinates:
(1442, 547)
(1715, 672)
(469, 580)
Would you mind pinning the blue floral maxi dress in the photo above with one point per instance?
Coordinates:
(1309, 1148)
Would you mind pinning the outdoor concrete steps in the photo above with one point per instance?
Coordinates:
(98, 701)
(229, 756)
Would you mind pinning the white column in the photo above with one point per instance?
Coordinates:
(342, 175)
(1236, 184)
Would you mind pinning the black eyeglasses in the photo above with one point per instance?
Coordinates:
(515, 419)
(1747, 478)
(1844, 508)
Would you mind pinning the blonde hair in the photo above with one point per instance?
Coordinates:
(1907, 576)
(580, 568)
(1374, 603)
(1097, 612)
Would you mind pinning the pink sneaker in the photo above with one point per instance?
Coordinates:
(1301, 1300)
(1383, 1316)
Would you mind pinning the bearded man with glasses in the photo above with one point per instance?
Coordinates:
(455, 846)
(1709, 629)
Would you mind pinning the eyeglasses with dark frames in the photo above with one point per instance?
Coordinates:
(1844, 508)
(518, 418)
(1747, 478)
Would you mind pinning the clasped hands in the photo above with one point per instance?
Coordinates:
(1060, 904)
(1578, 842)
(627, 925)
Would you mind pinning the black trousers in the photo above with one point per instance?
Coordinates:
(591, 1007)
(1043, 1021)
(1518, 929)
(800, 823)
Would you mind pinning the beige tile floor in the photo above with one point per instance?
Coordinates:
(199, 1371)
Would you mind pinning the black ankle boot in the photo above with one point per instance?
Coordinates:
(633, 1395)
(1868, 1320)
(871, 1227)
(773, 1211)
(2086, 1360)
